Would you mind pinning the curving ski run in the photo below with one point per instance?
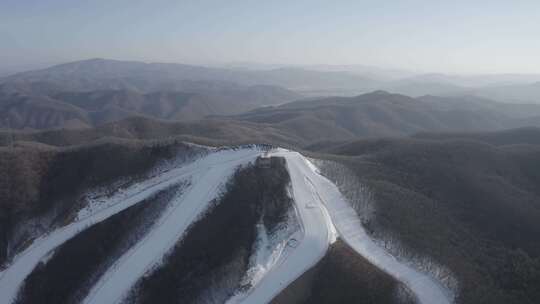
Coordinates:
(321, 208)
(318, 233)
(319, 201)
(350, 229)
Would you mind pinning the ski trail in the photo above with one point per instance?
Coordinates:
(319, 201)
(426, 289)
(318, 235)
(321, 210)
(12, 277)
(120, 278)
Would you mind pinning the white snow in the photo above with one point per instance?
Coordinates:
(119, 279)
(271, 249)
(345, 219)
(322, 212)
(318, 234)
(100, 198)
(319, 201)
(265, 256)
(13, 276)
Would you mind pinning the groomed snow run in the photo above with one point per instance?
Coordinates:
(426, 289)
(214, 165)
(318, 233)
(119, 279)
(321, 209)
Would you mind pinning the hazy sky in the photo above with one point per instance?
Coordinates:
(473, 36)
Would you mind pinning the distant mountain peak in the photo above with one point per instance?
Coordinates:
(96, 59)
(380, 92)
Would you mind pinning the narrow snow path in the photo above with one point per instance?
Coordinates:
(318, 234)
(346, 221)
(13, 276)
(319, 201)
(131, 266)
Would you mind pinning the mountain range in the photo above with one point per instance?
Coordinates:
(127, 182)
(312, 80)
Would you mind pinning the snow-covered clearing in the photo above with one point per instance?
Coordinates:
(271, 249)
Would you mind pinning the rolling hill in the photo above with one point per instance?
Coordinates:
(83, 109)
(384, 114)
(103, 74)
(301, 123)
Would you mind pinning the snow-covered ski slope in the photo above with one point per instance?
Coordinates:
(321, 208)
(219, 163)
(131, 266)
(318, 235)
(350, 229)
